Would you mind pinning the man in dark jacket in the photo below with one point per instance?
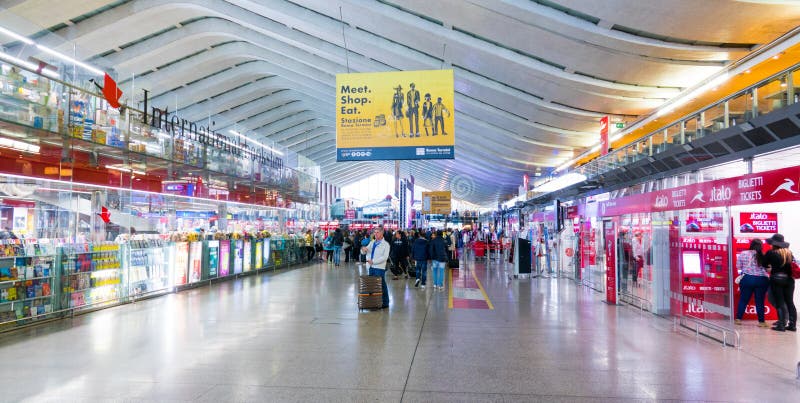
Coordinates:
(438, 254)
(399, 254)
(338, 243)
(419, 252)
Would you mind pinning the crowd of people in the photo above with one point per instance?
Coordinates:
(408, 253)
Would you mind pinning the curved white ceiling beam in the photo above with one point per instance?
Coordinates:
(316, 134)
(473, 49)
(87, 31)
(269, 91)
(527, 131)
(198, 35)
(581, 30)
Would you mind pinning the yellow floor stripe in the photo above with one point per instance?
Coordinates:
(486, 297)
(450, 291)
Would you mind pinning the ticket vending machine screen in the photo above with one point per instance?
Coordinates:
(692, 263)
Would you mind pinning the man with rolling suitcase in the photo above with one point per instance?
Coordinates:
(377, 254)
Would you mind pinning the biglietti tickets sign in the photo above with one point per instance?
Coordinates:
(782, 185)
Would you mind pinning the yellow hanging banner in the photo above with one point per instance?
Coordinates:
(398, 115)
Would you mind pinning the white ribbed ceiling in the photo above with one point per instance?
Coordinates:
(532, 77)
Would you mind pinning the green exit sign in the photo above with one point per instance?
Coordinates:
(620, 125)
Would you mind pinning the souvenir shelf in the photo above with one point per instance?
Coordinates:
(91, 274)
(26, 280)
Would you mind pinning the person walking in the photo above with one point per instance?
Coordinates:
(310, 251)
(338, 243)
(319, 238)
(399, 254)
(438, 254)
(755, 280)
(327, 246)
(779, 259)
(347, 247)
(419, 252)
(377, 253)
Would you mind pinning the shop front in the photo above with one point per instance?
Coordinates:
(675, 250)
(100, 205)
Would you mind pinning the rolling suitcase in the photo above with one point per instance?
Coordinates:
(412, 269)
(394, 268)
(370, 292)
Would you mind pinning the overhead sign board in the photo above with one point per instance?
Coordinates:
(403, 115)
(436, 202)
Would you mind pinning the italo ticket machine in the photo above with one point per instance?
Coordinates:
(749, 225)
(704, 264)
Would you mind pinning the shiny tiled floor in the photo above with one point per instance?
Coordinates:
(297, 336)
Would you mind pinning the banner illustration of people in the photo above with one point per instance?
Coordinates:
(365, 99)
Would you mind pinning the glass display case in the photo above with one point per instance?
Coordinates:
(147, 270)
(91, 274)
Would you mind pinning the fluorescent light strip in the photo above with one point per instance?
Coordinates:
(125, 169)
(255, 141)
(190, 199)
(27, 65)
(561, 182)
(68, 59)
(19, 145)
(16, 36)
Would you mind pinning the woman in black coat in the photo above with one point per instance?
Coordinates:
(779, 263)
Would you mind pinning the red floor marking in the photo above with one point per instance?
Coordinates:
(469, 304)
(465, 284)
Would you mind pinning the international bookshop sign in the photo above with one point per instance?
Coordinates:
(176, 126)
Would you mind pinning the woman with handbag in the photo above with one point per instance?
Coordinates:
(779, 259)
(753, 279)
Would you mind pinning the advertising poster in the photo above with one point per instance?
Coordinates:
(224, 258)
(238, 256)
(604, 135)
(611, 263)
(398, 115)
(758, 223)
(259, 261)
(704, 222)
(247, 255)
(436, 202)
(195, 261)
(180, 262)
(213, 258)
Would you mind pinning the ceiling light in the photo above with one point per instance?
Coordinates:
(28, 65)
(19, 145)
(16, 36)
(68, 59)
(561, 182)
(235, 133)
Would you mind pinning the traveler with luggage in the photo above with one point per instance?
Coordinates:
(399, 256)
(419, 252)
(377, 253)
